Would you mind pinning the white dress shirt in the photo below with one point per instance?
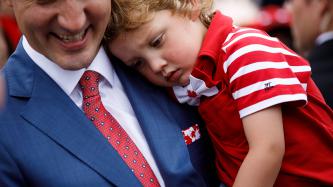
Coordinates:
(323, 37)
(112, 93)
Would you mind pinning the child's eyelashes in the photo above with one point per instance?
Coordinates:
(45, 2)
(157, 42)
(138, 63)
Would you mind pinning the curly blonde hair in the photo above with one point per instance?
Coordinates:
(129, 15)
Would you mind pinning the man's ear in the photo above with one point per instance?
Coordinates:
(196, 9)
(326, 15)
(323, 5)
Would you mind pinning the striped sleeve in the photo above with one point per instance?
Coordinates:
(262, 71)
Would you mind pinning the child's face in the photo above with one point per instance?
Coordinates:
(164, 50)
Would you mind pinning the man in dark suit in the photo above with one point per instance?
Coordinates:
(46, 139)
(312, 30)
(2, 91)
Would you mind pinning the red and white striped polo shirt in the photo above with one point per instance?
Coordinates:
(240, 71)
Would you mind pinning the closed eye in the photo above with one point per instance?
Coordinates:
(45, 2)
(157, 42)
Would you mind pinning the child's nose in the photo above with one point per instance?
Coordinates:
(157, 65)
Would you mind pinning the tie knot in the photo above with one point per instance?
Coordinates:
(89, 83)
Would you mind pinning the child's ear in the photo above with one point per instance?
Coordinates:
(196, 9)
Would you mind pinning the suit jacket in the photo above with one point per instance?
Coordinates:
(321, 59)
(47, 141)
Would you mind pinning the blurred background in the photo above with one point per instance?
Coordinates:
(268, 15)
(9, 32)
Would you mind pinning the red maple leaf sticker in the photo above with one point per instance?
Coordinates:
(191, 93)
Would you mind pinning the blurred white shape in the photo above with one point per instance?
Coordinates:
(243, 12)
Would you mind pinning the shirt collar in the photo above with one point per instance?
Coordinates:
(216, 34)
(322, 38)
(68, 79)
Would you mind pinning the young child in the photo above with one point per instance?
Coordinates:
(267, 119)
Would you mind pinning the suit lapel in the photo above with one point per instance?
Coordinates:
(155, 112)
(51, 111)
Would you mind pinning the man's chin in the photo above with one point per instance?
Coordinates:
(74, 64)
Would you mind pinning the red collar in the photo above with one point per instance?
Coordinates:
(217, 32)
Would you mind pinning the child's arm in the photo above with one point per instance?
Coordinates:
(264, 133)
